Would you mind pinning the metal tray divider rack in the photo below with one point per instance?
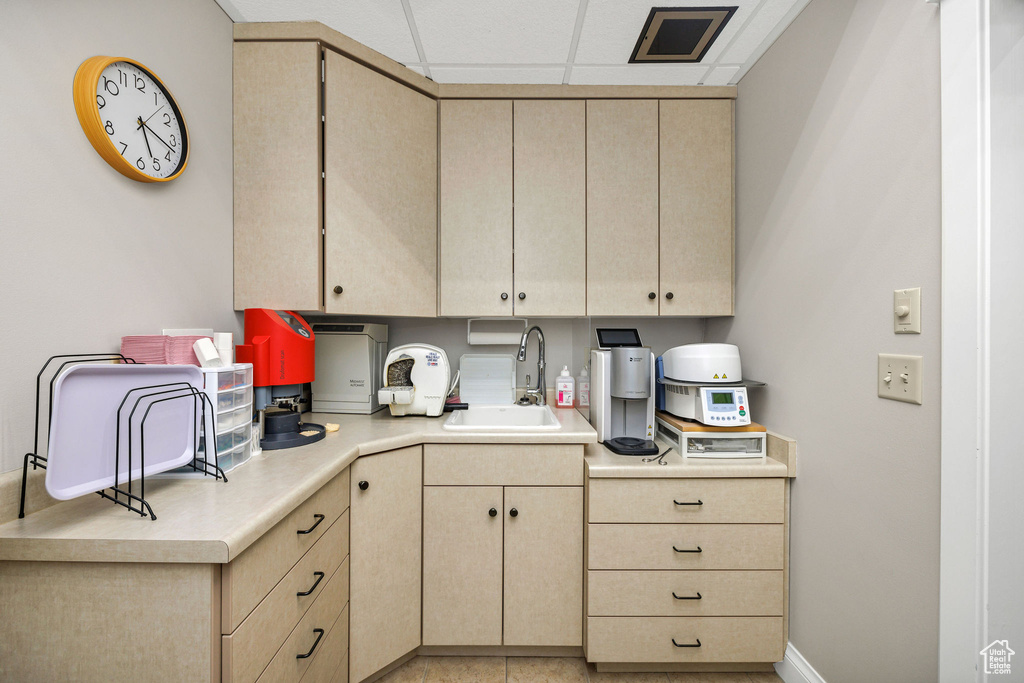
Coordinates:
(39, 461)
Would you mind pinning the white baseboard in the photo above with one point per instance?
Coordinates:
(795, 669)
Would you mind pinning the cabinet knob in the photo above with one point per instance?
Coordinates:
(669, 295)
(363, 485)
(652, 295)
(492, 512)
(338, 289)
(522, 295)
(513, 513)
(504, 296)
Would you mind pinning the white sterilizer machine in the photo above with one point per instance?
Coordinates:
(349, 367)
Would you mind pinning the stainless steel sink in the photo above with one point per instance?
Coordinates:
(503, 418)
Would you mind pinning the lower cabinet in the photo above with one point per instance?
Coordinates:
(502, 565)
(386, 508)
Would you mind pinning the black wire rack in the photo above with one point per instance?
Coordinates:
(130, 422)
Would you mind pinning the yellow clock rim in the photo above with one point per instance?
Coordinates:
(86, 79)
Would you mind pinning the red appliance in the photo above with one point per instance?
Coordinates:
(279, 344)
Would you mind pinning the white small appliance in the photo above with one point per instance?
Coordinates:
(349, 367)
(702, 383)
(622, 392)
(416, 378)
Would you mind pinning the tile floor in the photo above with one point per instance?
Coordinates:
(543, 670)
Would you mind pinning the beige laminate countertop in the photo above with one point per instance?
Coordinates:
(205, 521)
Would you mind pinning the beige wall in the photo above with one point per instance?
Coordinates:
(87, 255)
(838, 203)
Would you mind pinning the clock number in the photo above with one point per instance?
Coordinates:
(109, 128)
(142, 87)
(156, 164)
(124, 146)
(174, 141)
(141, 164)
(110, 86)
(122, 78)
(167, 156)
(154, 98)
(100, 101)
(167, 119)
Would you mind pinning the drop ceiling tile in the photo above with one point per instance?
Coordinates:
(722, 75)
(378, 24)
(638, 74)
(484, 74)
(495, 31)
(772, 18)
(610, 29)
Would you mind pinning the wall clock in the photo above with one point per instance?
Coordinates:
(131, 119)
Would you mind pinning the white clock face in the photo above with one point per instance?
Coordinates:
(141, 120)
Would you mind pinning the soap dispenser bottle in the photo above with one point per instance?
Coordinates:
(564, 386)
(583, 389)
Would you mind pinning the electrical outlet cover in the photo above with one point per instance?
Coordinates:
(899, 377)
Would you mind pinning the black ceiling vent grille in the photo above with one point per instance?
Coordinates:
(679, 34)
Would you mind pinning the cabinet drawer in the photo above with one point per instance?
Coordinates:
(745, 501)
(331, 661)
(248, 578)
(649, 639)
(246, 652)
(675, 546)
(503, 465)
(684, 593)
(286, 666)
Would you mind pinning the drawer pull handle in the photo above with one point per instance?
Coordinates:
(319, 518)
(320, 634)
(686, 597)
(699, 502)
(493, 512)
(698, 550)
(363, 485)
(513, 513)
(697, 644)
(320, 575)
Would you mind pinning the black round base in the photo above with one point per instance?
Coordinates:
(280, 440)
(630, 445)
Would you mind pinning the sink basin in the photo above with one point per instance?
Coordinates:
(504, 418)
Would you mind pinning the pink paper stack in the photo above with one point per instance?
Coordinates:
(160, 349)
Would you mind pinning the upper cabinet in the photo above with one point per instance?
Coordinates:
(476, 208)
(380, 193)
(361, 188)
(622, 207)
(277, 179)
(335, 185)
(513, 207)
(696, 164)
(549, 210)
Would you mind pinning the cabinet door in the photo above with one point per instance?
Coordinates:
(384, 547)
(380, 194)
(476, 207)
(278, 247)
(622, 207)
(544, 566)
(462, 553)
(696, 207)
(550, 235)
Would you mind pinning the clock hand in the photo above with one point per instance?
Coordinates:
(154, 113)
(158, 137)
(146, 137)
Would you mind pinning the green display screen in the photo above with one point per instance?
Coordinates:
(720, 398)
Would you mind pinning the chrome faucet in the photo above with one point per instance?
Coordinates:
(539, 391)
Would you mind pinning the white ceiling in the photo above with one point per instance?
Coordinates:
(585, 42)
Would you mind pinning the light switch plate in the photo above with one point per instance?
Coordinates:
(899, 377)
(911, 300)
